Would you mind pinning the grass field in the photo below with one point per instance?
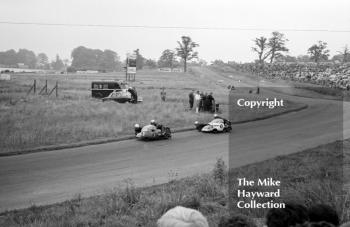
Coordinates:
(315, 180)
(32, 121)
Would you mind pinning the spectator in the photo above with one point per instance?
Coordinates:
(191, 99)
(205, 102)
(133, 94)
(325, 74)
(211, 102)
(323, 212)
(236, 221)
(197, 99)
(163, 94)
(182, 217)
(291, 215)
(316, 224)
(201, 101)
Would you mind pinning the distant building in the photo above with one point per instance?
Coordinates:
(22, 66)
(5, 77)
(87, 71)
(179, 70)
(170, 70)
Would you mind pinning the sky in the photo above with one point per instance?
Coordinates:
(256, 18)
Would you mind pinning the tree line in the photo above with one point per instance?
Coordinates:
(94, 59)
(84, 58)
(171, 58)
(272, 50)
(28, 58)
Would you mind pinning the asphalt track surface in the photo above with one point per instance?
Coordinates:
(54, 176)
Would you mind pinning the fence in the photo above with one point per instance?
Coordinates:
(44, 90)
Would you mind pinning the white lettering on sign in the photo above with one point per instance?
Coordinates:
(271, 104)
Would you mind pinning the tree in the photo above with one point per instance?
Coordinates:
(94, 59)
(150, 63)
(107, 61)
(140, 60)
(261, 48)
(285, 58)
(345, 54)
(303, 58)
(167, 59)
(27, 57)
(8, 58)
(57, 64)
(337, 58)
(66, 62)
(202, 62)
(218, 62)
(277, 45)
(42, 61)
(318, 52)
(185, 50)
(83, 58)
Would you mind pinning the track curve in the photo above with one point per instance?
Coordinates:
(49, 177)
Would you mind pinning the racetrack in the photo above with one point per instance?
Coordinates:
(48, 177)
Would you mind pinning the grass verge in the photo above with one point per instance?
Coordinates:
(308, 177)
(32, 121)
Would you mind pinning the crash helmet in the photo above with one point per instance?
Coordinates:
(196, 122)
(216, 115)
(153, 122)
(137, 126)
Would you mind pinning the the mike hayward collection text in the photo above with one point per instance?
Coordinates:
(253, 196)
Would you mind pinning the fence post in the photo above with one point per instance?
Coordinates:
(44, 89)
(54, 88)
(33, 87)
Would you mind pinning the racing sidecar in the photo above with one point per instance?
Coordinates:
(152, 132)
(214, 126)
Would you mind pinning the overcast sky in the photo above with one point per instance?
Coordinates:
(214, 44)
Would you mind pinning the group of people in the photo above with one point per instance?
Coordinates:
(293, 215)
(201, 101)
(325, 74)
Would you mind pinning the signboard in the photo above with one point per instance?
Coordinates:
(5, 77)
(131, 70)
(131, 64)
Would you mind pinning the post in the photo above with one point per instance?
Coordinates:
(56, 89)
(33, 87)
(126, 68)
(44, 89)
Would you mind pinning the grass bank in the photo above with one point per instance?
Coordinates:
(308, 177)
(307, 89)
